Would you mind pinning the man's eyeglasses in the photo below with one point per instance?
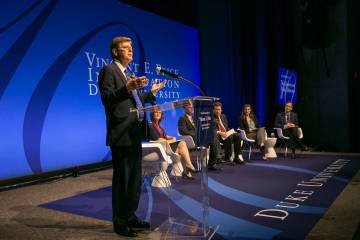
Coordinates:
(126, 48)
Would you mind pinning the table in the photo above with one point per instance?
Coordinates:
(269, 147)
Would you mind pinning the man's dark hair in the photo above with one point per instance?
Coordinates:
(217, 104)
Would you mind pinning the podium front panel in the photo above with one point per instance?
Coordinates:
(195, 224)
(203, 111)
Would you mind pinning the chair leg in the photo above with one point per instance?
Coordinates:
(198, 159)
(166, 178)
(161, 180)
(177, 169)
(249, 151)
(164, 182)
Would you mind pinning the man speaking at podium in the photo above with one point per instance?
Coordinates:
(120, 97)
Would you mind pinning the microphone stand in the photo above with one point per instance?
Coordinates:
(192, 84)
(188, 82)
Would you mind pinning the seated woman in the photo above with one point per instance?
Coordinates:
(248, 122)
(157, 133)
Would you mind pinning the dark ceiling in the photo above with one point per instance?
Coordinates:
(183, 11)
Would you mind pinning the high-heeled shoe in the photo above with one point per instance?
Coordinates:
(263, 155)
(185, 176)
(191, 170)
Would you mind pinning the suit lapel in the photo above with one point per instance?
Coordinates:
(189, 122)
(224, 122)
(124, 80)
(119, 73)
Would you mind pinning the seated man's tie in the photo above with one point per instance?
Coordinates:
(221, 128)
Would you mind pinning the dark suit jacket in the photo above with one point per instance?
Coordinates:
(185, 127)
(280, 119)
(122, 125)
(224, 122)
(243, 124)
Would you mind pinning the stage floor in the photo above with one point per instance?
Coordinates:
(26, 212)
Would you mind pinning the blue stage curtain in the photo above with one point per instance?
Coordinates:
(242, 43)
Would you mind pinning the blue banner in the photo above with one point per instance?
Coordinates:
(287, 86)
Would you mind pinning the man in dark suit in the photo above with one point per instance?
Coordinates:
(186, 123)
(288, 122)
(222, 127)
(186, 126)
(121, 99)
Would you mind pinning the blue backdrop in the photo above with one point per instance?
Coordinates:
(51, 52)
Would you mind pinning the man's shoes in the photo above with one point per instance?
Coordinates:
(138, 224)
(306, 149)
(124, 230)
(220, 160)
(239, 161)
(214, 169)
(229, 162)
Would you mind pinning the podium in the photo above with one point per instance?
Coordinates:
(194, 225)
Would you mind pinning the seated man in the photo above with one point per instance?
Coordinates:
(288, 122)
(222, 126)
(186, 123)
(186, 126)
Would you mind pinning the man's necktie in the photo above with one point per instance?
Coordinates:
(222, 129)
(136, 97)
(287, 117)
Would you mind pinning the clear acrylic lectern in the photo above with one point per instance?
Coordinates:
(195, 225)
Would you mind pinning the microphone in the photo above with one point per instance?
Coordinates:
(167, 73)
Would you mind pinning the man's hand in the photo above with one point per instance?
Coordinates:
(142, 81)
(135, 83)
(157, 86)
(289, 125)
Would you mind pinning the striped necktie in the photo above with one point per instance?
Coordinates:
(221, 127)
(136, 97)
(287, 117)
